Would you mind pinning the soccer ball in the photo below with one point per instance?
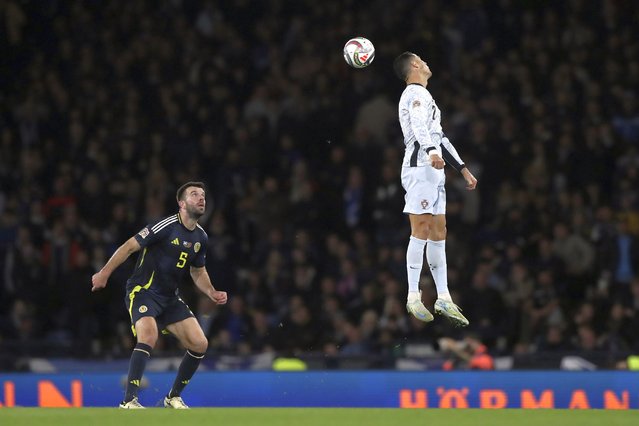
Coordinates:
(359, 52)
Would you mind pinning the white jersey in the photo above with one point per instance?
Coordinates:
(420, 119)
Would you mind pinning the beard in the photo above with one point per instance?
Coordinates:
(195, 212)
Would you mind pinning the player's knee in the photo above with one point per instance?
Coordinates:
(200, 345)
(147, 336)
(440, 234)
(437, 232)
(148, 339)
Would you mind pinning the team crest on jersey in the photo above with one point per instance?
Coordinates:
(196, 247)
(144, 233)
(187, 244)
(416, 103)
(143, 309)
(424, 204)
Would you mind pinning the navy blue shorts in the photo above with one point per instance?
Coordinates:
(166, 311)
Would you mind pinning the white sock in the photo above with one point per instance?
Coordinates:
(414, 262)
(436, 257)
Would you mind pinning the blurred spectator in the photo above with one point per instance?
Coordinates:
(553, 340)
(620, 257)
(467, 354)
(485, 305)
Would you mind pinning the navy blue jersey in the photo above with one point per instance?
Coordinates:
(169, 249)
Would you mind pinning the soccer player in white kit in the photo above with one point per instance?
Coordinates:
(423, 179)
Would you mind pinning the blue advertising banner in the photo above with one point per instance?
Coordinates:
(534, 389)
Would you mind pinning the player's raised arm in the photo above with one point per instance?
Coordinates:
(203, 282)
(100, 278)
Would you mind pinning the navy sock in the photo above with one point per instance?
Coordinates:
(188, 366)
(139, 357)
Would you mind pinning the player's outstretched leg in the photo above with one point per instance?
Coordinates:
(436, 256)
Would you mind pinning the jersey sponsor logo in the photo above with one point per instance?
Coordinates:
(187, 244)
(143, 309)
(144, 233)
(175, 242)
(196, 247)
(416, 103)
(424, 204)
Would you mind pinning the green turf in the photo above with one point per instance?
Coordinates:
(312, 416)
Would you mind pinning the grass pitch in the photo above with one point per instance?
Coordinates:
(311, 417)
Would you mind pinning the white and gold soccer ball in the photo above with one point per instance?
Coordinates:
(359, 52)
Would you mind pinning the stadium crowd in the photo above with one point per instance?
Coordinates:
(108, 107)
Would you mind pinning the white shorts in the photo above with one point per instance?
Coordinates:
(425, 190)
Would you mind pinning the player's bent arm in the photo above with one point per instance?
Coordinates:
(99, 279)
(452, 159)
(123, 252)
(450, 154)
(203, 282)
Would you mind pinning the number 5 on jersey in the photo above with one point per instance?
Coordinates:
(182, 260)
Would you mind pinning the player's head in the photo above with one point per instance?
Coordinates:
(409, 66)
(191, 198)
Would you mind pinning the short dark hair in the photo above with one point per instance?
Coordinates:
(401, 65)
(180, 191)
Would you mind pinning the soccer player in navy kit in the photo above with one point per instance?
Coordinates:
(170, 247)
(423, 179)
